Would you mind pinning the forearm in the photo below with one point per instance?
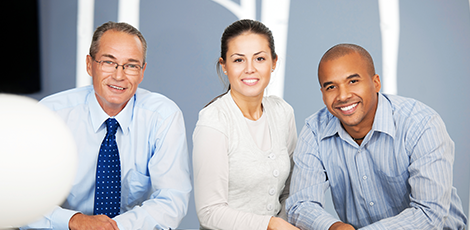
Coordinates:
(408, 219)
(311, 216)
(57, 219)
(163, 212)
(221, 216)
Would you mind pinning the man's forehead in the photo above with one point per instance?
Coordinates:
(120, 45)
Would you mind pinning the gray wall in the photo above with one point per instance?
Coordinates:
(184, 35)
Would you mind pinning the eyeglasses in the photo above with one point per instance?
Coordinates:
(110, 67)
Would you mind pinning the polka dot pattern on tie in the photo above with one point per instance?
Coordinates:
(108, 174)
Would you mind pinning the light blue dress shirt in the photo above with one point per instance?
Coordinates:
(400, 177)
(154, 159)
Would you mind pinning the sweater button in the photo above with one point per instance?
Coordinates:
(269, 207)
(272, 191)
(276, 173)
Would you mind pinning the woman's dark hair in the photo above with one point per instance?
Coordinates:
(236, 29)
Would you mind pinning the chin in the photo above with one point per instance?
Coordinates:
(251, 93)
(118, 100)
(351, 122)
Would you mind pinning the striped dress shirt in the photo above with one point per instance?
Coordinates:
(400, 177)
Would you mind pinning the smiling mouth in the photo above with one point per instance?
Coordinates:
(250, 81)
(116, 87)
(347, 108)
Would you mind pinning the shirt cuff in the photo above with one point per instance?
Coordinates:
(374, 226)
(324, 222)
(119, 225)
(61, 217)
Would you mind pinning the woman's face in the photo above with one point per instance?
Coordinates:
(248, 65)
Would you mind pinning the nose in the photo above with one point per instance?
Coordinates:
(119, 73)
(250, 68)
(344, 94)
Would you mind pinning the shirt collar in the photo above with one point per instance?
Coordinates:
(98, 116)
(383, 121)
(333, 127)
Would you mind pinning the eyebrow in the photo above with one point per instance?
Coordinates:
(128, 60)
(325, 84)
(237, 54)
(108, 55)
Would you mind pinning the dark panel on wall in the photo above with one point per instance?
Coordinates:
(21, 72)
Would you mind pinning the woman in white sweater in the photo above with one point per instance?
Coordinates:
(243, 141)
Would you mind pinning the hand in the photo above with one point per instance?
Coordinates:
(278, 223)
(98, 222)
(341, 226)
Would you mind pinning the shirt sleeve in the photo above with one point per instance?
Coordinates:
(211, 175)
(57, 219)
(432, 157)
(305, 206)
(170, 179)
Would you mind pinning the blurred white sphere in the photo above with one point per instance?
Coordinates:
(38, 160)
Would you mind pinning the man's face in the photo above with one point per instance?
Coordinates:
(349, 91)
(114, 89)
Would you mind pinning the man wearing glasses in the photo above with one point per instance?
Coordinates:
(133, 159)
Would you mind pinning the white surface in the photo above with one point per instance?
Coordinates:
(390, 28)
(85, 19)
(129, 12)
(37, 160)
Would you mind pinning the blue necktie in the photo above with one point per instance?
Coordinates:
(108, 174)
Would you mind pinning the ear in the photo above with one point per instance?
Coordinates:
(222, 64)
(377, 84)
(274, 63)
(89, 63)
(142, 74)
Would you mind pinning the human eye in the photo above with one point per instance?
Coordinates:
(329, 87)
(353, 81)
(238, 60)
(260, 59)
(132, 66)
(108, 63)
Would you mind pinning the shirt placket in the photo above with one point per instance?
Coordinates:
(364, 169)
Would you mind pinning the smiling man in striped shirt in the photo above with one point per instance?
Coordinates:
(387, 159)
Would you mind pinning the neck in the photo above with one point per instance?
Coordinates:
(356, 133)
(111, 109)
(251, 107)
(359, 139)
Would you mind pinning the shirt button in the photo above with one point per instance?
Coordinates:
(276, 173)
(364, 177)
(272, 156)
(371, 203)
(272, 191)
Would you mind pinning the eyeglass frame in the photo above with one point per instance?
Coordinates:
(116, 64)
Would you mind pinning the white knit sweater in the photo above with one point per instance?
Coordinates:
(238, 185)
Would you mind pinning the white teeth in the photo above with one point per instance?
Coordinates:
(250, 81)
(113, 86)
(348, 107)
